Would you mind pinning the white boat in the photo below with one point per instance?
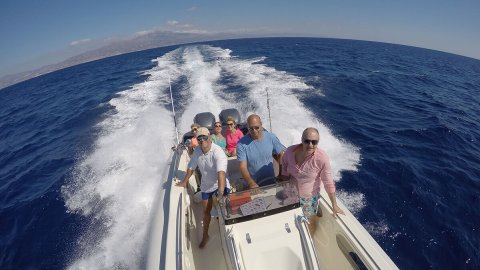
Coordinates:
(253, 229)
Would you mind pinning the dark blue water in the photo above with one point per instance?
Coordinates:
(82, 150)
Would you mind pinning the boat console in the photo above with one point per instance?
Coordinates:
(259, 202)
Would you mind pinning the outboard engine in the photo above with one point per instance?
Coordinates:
(205, 119)
(229, 112)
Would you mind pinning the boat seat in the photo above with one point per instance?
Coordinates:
(234, 176)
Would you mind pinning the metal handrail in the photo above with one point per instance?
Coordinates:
(301, 222)
(236, 262)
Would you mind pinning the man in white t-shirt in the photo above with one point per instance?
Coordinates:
(212, 162)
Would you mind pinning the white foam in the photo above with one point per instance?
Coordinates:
(354, 201)
(289, 117)
(377, 229)
(116, 184)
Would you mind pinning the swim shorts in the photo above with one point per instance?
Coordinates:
(309, 205)
(208, 195)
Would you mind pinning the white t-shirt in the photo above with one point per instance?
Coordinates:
(209, 164)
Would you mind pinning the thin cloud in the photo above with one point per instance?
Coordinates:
(192, 8)
(172, 23)
(80, 42)
(145, 32)
(192, 31)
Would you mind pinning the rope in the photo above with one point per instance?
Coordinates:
(173, 110)
(268, 106)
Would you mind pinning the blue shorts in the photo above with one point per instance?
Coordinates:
(208, 195)
(309, 205)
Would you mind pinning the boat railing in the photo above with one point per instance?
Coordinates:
(307, 242)
(234, 254)
(179, 230)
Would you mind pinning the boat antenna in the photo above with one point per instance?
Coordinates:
(268, 106)
(173, 109)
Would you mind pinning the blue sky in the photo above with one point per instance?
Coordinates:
(34, 33)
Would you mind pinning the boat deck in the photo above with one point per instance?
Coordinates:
(211, 256)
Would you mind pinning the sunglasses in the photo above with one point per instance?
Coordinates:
(313, 142)
(229, 124)
(253, 128)
(202, 138)
(218, 126)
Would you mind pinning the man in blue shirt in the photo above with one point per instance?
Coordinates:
(255, 150)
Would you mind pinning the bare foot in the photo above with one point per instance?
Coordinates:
(204, 242)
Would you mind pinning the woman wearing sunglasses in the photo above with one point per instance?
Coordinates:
(233, 135)
(218, 137)
(307, 165)
(192, 142)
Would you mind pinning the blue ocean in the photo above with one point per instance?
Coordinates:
(83, 150)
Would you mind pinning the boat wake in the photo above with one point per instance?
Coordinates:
(115, 185)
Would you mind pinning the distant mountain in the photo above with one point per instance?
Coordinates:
(142, 41)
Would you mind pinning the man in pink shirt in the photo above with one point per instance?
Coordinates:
(307, 166)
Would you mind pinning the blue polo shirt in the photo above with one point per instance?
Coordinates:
(258, 154)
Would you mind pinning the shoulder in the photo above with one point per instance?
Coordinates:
(270, 135)
(321, 155)
(216, 149)
(291, 148)
(245, 139)
(218, 153)
(196, 152)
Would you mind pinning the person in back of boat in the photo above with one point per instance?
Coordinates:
(233, 135)
(212, 163)
(218, 137)
(254, 152)
(307, 166)
(192, 141)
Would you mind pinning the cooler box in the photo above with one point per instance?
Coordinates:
(239, 198)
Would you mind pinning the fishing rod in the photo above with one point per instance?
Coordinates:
(173, 110)
(268, 106)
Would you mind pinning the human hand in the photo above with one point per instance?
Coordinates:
(181, 184)
(252, 185)
(337, 210)
(221, 199)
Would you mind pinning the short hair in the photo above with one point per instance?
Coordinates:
(195, 125)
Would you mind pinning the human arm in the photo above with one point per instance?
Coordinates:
(329, 184)
(243, 167)
(221, 183)
(246, 175)
(336, 210)
(221, 163)
(192, 164)
(280, 163)
(184, 182)
(278, 150)
(284, 175)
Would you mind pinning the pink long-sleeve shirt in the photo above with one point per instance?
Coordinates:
(315, 168)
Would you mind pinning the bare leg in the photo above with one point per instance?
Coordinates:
(312, 226)
(207, 206)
